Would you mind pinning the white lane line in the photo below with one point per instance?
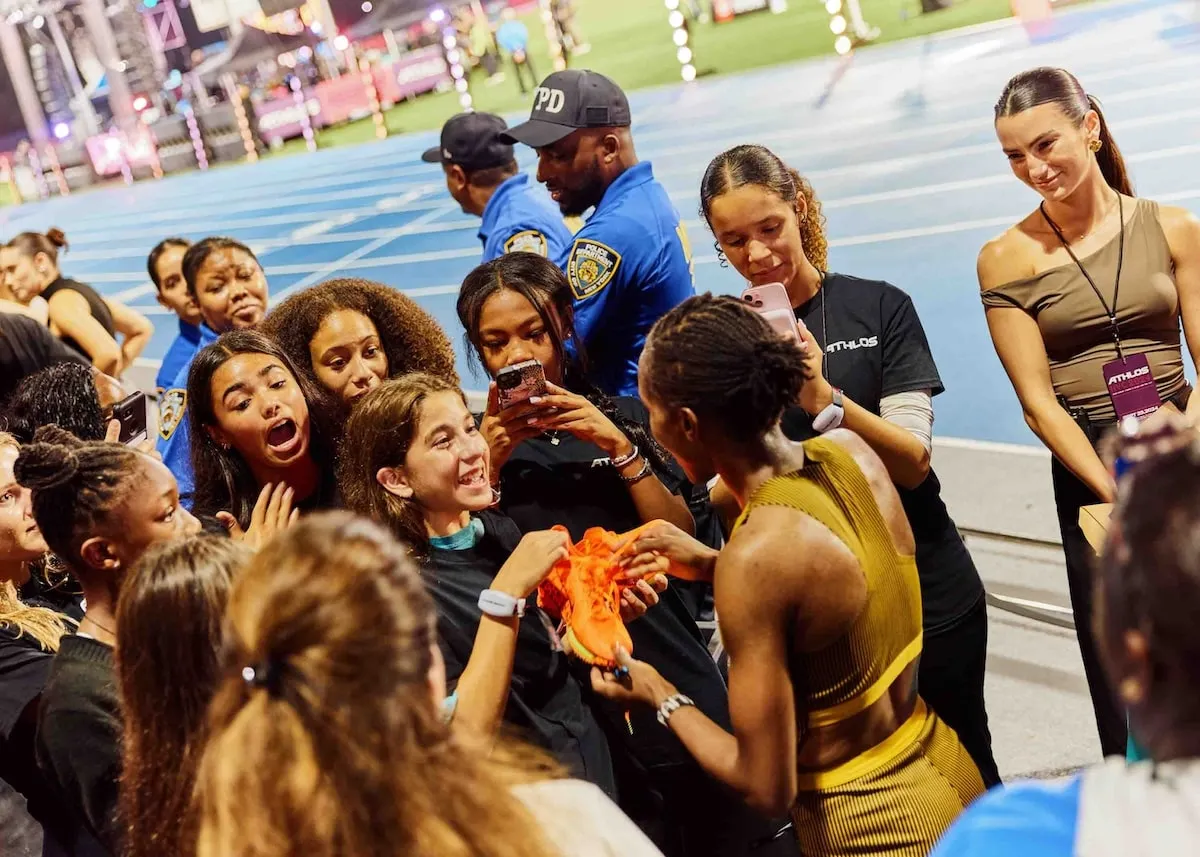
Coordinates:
(350, 260)
(419, 292)
(127, 295)
(358, 263)
(797, 141)
(312, 230)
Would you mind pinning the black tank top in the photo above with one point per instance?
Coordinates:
(96, 305)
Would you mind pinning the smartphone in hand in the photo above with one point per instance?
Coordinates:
(771, 301)
(130, 412)
(518, 383)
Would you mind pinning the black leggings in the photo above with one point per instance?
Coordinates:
(950, 680)
(1070, 495)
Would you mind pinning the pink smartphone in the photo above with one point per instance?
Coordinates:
(519, 382)
(771, 301)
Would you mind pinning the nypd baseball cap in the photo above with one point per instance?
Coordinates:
(472, 140)
(569, 100)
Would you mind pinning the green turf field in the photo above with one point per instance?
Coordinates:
(631, 43)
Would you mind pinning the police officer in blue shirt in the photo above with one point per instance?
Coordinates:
(631, 262)
(483, 178)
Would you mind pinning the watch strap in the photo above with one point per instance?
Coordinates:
(500, 604)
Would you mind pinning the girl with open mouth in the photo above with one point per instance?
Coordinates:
(258, 445)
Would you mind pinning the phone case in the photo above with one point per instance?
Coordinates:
(130, 412)
(772, 303)
(517, 383)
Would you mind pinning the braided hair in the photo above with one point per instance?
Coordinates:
(543, 284)
(724, 362)
(76, 485)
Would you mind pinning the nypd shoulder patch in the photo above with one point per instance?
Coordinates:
(172, 405)
(591, 267)
(528, 241)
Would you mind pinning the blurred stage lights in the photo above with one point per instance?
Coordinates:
(681, 37)
(684, 55)
(833, 6)
(454, 62)
(341, 43)
(837, 25)
(842, 45)
(367, 7)
(688, 72)
(675, 19)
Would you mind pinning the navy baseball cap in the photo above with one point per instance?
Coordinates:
(569, 100)
(472, 140)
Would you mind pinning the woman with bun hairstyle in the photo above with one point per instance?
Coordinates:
(99, 506)
(817, 594)
(1091, 287)
(168, 665)
(260, 449)
(413, 459)
(228, 284)
(328, 734)
(349, 335)
(581, 459)
(866, 345)
(78, 314)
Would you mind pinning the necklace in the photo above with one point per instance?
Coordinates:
(554, 435)
(88, 618)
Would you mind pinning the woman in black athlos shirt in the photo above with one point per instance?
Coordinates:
(868, 349)
(583, 461)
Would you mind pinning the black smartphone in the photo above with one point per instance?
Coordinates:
(130, 412)
(519, 382)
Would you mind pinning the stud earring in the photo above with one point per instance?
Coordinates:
(1095, 145)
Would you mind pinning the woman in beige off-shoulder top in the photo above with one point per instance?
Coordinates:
(1048, 288)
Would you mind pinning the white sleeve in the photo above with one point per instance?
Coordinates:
(579, 820)
(912, 411)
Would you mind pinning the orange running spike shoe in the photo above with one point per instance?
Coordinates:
(585, 590)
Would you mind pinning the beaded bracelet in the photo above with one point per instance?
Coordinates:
(625, 459)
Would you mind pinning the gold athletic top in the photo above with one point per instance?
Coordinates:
(853, 672)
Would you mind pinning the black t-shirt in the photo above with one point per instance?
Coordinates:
(79, 742)
(24, 671)
(545, 704)
(875, 347)
(27, 347)
(96, 306)
(544, 483)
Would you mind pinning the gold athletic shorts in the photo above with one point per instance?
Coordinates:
(896, 799)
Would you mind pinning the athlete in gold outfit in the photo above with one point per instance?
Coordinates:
(817, 596)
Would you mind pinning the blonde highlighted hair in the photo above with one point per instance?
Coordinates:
(324, 736)
(45, 627)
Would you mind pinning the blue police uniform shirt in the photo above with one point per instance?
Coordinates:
(521, 217)
(173, 437)
(178, 355)
(629, 265)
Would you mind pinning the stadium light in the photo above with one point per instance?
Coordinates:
(455, 63)
(680, 37)
(341, 43)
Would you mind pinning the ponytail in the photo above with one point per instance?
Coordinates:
(1112, 163)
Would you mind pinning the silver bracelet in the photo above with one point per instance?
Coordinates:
(640, 475)
(670, 705)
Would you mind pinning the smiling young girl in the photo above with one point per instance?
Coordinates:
(254, 433)
(414, 460)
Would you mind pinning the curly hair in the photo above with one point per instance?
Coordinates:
(758, 165)
(412, 340)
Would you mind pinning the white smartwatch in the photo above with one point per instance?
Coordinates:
(831, 415)
(501, 604)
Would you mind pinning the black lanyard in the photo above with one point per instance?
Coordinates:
(1112, 311)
